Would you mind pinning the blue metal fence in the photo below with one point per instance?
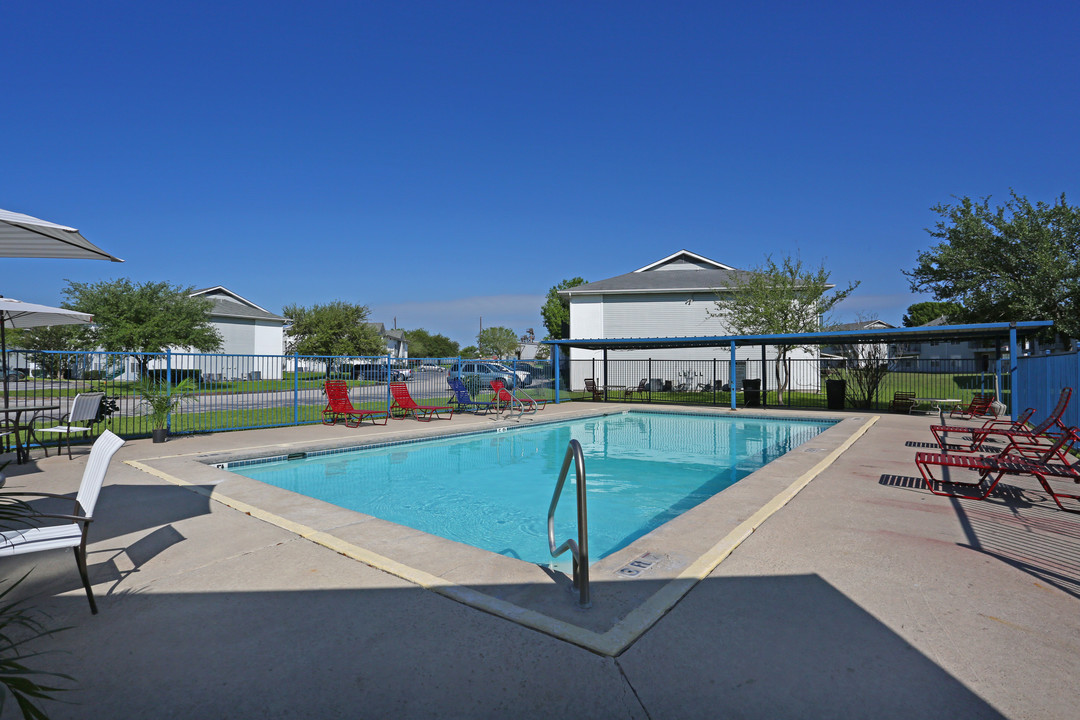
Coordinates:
(1040, 379)
(239, 392)
(234, 392)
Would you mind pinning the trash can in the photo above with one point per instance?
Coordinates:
(751, 393)
(835, 390)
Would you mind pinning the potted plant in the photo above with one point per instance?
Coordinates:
(162, 399)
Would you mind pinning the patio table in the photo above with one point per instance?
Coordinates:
(936, 405)
(22, 450)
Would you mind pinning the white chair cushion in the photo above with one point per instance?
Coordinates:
(17, 542)
(63, 429)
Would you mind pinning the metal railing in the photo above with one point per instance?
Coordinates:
(239, 392)
(580, 549)
(805, 381)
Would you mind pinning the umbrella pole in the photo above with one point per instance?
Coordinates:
(3, 349)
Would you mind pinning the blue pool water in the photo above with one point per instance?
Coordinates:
(492, 490)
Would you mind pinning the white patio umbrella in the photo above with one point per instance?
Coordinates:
(29, 237)
(18, 314)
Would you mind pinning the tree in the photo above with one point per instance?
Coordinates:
(144, 317)
(423, 344)
(1010, 263)
(778, 299)
(497, 341)
(337, 328)
(49, 346)
(867, 365)
(556, 310)
(924, 312)
(470, 352)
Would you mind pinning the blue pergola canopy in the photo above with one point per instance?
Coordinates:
(842, 337)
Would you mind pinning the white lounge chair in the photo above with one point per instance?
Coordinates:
(84, 409)
(73, 533)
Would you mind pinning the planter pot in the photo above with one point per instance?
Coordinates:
(161, 435)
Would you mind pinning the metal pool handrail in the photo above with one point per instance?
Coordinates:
(579, 549)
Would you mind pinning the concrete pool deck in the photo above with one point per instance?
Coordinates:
(863, 595)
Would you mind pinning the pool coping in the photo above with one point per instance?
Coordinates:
(676, 556)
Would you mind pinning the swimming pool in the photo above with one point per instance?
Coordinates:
(491, 490)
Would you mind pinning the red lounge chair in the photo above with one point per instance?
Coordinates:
(1036, 435)
(980, 405)
(526, 403)
(403, 401)
(1052, 462)
(338, 406)
(1018, 424)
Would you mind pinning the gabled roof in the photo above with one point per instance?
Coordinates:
(393, 333)
(229, 304)
(683, 271)
(685, 257)
(864, 325)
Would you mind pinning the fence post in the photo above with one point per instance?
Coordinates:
(388, 381)
(168, 387)
(605, 375)
(1014, 358)
(764, 386)
(296, 388)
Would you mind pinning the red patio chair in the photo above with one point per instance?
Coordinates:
(339, 406)
(527, 403)
(1039, 434)
(404, 401)
(1016, 459)
(1018, 424)
(980, 405)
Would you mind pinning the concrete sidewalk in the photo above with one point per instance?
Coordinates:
(865, 596)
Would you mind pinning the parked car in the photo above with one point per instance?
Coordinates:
(533, 368)
(377, 372)
(16, 374)
(488, 371)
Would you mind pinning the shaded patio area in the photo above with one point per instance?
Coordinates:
(865, 595)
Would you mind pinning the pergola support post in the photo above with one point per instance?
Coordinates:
(1014, 361)
(731, 374)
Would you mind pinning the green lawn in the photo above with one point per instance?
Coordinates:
(962, 386)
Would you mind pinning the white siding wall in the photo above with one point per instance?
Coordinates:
(240, 338)
(659, 315)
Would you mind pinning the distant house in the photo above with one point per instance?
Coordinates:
(251, 346)
(670, 297)
(528, 350)
(396, 344)
(247, 332)
(947, 355)
(841, 354)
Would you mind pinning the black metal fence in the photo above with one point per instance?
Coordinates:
(802, 383)
(233, 392)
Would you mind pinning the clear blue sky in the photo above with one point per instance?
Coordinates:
(443, 161)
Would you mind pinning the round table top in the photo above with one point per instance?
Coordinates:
(24, 408)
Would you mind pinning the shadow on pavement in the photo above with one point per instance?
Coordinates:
(779, 646)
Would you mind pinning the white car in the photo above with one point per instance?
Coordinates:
(489, 370)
